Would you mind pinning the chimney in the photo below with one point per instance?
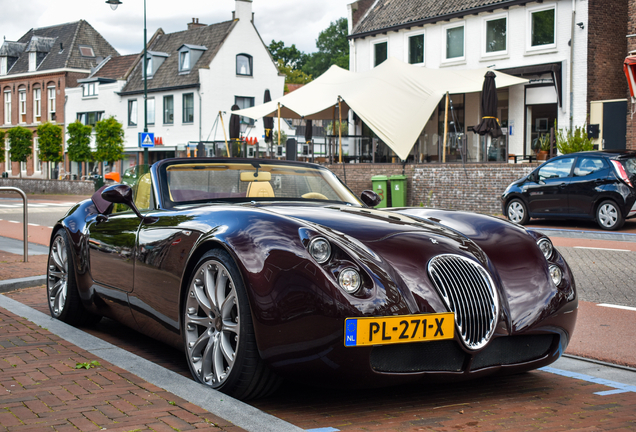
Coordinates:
(195, 24)
(243, 10)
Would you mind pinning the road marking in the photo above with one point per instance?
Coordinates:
(32, 224)
(617, 306)
(325, 429)
(618, 387)
(607, 249)
(14, 222)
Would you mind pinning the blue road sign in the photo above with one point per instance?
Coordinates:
(146, 139)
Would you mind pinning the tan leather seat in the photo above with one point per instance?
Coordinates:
(260, 190)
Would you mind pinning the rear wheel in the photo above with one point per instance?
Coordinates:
(608, 216)
(218, 333)
(517, 212)
(61, 289)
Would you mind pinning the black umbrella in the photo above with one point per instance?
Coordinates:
(235, 127)
(308, 130)
(489, 122)
(268, 122)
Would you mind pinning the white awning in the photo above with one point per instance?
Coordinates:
(394, 99)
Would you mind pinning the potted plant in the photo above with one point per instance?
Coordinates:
(544, 147)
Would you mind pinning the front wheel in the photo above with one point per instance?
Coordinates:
(517, 212)
(608, 216)
(218, 333)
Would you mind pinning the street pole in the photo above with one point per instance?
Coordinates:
(146, 153)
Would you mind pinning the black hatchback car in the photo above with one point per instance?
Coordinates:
(594, 185)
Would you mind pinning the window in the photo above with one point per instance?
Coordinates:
(454, 42)
(168, 109)
(588, 165)
(37, 105)
(149, 67)
(86, 51)
(37, 163)
(244, 64)
(7, 156)
(32, 61)
(3, 65)
(558, 169)
(416, 49)
(245, 102)
(90, 118)
(380, 52)
(132, 112)
(7, 107)
(184, 61)
(496, 30)
(51, 97)
(22, 105)
(89, 89)
(542, 27)
(188, 108)
(150, 111)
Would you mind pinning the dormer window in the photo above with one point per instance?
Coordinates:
(188, 56)
(32, 61)
(244, 64)
(149, 66)
(184, 61)
(3, 65)
(154, 60)
(90, 89)
(86, 51)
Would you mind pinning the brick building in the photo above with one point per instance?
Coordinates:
(34, 74)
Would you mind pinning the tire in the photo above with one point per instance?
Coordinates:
(517, 212)
(218, 334)
(608, 216)
(63, 297)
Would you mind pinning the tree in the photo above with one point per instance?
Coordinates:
(293, 76)
(289, 56)
(50, 143)
(333, 49)
(109, 140)
(2, 133)
(78, 143)
(20, 144)
(572, 142)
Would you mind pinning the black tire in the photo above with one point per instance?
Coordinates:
(609, 216)
(517, 212)
(63, 297)
(218, 334)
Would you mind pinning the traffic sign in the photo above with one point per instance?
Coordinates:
(146, 139)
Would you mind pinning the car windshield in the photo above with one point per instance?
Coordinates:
(196, 182)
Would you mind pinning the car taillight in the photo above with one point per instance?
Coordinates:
(621, 172)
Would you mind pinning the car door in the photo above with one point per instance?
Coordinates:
(547, 194)
(589, 176)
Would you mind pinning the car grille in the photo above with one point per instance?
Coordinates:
(469, 292)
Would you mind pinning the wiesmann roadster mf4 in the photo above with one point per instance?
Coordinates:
(262, 270)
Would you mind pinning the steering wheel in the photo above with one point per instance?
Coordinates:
(314, 195)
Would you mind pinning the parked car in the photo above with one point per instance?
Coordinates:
(594, 185)
(263, 269)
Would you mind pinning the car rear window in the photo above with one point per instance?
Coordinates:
(630, 166)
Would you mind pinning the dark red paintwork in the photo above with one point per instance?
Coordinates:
(136, 273)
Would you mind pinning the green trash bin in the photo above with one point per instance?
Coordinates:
(380, 187)
(398, 190)
(99, 181)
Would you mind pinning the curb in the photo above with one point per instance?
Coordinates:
(222, 405)
(25, 282)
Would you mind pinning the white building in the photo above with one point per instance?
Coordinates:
(194, 77)
(522, 38)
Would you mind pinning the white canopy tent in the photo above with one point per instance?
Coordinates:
(394, 99)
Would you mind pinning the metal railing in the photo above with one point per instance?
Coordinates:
(25, 217)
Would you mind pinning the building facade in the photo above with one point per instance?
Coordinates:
(35, 72)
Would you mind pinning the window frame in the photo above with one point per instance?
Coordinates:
(86, 47)
(133, 106)
(22, 105)
(83, 117)
(484, 42)
(90, 90)
(250, 61)
(445, 29)
(407, 45)
(37, 163)
(7, 107)
(245, 120)
(186, 53)
(374, 43)
(183, 106)
(51, 101)
(7, 156)
(4, 65)
(529, 14)
(33, 61)
(171, 98)
(37, 104)
(150, 121)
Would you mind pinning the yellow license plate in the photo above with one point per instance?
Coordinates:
(399, 329)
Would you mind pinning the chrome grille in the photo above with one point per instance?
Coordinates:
(469, 292)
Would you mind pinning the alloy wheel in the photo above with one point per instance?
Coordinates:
(608, 215)
(212, 323)
(57, 281)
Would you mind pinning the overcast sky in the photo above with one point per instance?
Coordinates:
(293, 21)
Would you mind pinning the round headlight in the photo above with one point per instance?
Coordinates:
(546, 247)
(556, 274)
(349, 280)
(320, 249)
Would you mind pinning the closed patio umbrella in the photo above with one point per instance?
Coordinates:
(235, 125)
(268, 125)
(489, 123)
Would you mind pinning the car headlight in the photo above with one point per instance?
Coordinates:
(349, 280)
(546, 247)
(320, 249)
(556, 274)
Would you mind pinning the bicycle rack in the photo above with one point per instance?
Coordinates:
(25, 217)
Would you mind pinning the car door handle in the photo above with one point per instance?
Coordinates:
(562, 185)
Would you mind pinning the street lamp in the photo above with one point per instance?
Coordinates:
(113, 5)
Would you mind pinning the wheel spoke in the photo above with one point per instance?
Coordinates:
(217, 359)
(56, 274)
(221, 281)
(210, 285)
(60, 298)
(199, 288)
(207, 363)
(226, 348)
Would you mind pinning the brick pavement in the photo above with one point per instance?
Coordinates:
(41, 389)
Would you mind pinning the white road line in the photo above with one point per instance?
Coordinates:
(14, 222)
(31, 224)
(607, 249)
(617, 306)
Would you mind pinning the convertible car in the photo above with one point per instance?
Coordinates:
(263, 270)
